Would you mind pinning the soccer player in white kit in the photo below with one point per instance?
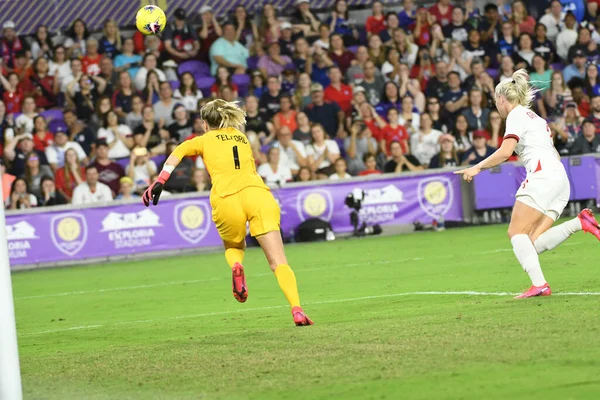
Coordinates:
(545, 192)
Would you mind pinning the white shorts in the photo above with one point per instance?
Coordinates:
(546, 191)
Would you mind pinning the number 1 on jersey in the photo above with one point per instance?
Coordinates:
(236, 158)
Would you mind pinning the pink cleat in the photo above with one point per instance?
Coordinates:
(536, 291)
(589, 223)
(300, 319)
(238, 284)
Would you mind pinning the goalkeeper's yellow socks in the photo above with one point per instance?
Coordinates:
(287, 282)
(233, 255)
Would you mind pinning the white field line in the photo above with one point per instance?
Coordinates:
(382, 296)
(126, 288)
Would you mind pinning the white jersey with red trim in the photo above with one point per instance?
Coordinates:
(535, 147)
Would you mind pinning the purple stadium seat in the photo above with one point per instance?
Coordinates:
(243, 83)
(492, 72)
(123, 162)
(353, 49)
(557, 66)
(159, 160)
(174, 85)
(53, 114)
(204, 83)
(56, 125)
(196, 68)
(253, 63)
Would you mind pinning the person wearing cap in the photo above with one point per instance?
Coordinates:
(329, 115)
(141, 169)
(568, 127)
(577, 68)
(208, 32)
(286, 39)
(126, 187)
(228, 52)
(11, 44)
(273, 63)
(480, 150)
(55, 153)
(109, 171)
(304, 21)
(180, 39)
(588, 142)
(447, 157)
(92, 190)
(567, 37)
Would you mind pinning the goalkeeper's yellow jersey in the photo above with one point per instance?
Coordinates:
(228, 158)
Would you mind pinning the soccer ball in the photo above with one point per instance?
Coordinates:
(150, 20)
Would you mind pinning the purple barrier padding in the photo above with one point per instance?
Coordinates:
(497, 189)
(106, 231)
(582, 175)
(393, 201)
(597, 182)
(186, 223)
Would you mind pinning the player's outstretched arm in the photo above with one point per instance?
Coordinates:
(497, 158)
(188, 148)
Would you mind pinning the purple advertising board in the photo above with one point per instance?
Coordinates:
(496, 188)
(183, 223)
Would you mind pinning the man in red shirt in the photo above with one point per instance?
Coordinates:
(442, 11)
(91, 60)
(337, 92)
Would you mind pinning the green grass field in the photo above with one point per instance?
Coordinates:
(171, 329)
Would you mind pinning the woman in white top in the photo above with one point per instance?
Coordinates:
(273, 172)
(340, 170)
(188, 93)
(425, 143)
(20, 197)
(77, 35)
(117, 136)
(408, 118)
(24, 122)
(149, 62)
(60, 67)
(545, 192)
(321, 152)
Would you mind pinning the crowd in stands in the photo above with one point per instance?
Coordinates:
(87, 118)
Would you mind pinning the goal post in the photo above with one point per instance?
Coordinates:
(10, 373)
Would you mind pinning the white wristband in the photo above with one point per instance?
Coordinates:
(169, 168)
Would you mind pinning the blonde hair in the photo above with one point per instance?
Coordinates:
(517, 90)
(223, 114)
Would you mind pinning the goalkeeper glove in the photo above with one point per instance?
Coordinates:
(152, 194)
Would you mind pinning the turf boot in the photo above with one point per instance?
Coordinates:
(589, 223)
(536, 291)
(300, 319)
(240, 290)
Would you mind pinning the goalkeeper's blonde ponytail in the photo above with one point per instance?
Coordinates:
(220, 114)
(517, 90)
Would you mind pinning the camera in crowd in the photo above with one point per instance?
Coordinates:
(354, 201)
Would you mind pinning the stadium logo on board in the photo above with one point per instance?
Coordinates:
(314, 203)
(381, 204)
(435, 196)
(19, 236)
(131, 230)
(192, 220)
(68, 232)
